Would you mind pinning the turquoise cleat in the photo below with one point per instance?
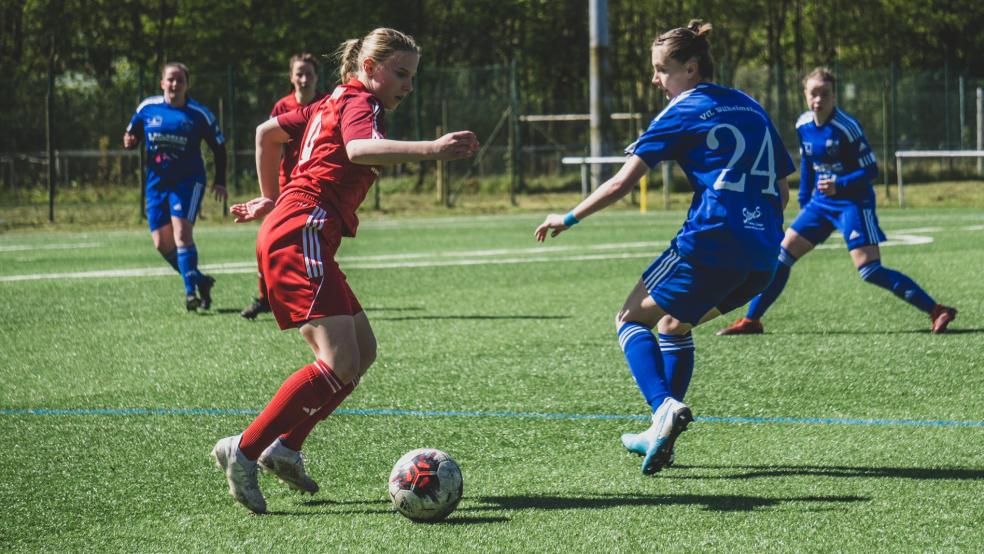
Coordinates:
(636, 443)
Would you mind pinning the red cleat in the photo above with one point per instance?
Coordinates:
(941, 316)
(744, 326)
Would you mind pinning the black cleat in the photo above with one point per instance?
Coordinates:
(259, 306)
(192, 302)
(205, 285)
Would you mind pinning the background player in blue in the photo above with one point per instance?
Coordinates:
(173, 126)
(836, 175)
(726, 251)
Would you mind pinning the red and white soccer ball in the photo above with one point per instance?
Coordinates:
(425, 485)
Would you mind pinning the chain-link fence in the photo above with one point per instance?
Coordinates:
(898, 110)
(89, 119)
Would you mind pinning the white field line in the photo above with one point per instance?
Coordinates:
(499, 256)
(902, 237)
(59, 246)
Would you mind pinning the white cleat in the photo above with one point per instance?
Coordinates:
(240, 471)
(669, 420)
(288, 466)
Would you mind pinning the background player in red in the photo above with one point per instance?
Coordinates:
(343, 145)
(304, 78)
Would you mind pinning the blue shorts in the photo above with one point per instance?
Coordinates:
(182, 199)
(856, 221)
(687, 291)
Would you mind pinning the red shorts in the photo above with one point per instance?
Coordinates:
(295, 251)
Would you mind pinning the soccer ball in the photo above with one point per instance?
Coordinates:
(425, 485)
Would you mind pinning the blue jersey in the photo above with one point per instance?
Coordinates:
(173, 137)
(733, 156)
(837, 147)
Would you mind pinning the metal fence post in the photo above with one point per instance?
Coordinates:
(233, 141)
(946, 104)
(885, 93)
(898, 176)
(142, 148)
(439, 178)
(49, 116)
(516, 144)
(980, 128)
(961, 84)
(893, 109)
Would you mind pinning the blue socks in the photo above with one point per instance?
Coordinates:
(172, 258)
(645, 361)
(678, 362)
(188, 267)
(761, 303)
(900, 285)
(873, 272)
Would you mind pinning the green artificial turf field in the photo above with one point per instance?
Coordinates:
(846, 427)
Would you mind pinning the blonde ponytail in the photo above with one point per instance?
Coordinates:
(378, 45)
(348, 58)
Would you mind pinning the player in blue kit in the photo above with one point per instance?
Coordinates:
(836, 192)
(173, 126)
(726, 251)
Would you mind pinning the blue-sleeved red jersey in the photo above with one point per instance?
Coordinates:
(731, 153)
(173, 138)
(838, 147)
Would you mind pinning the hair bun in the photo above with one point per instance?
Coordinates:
(699, 27)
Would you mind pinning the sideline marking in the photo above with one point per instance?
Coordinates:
(529, 415)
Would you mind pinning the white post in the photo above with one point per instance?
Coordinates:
(585, 184)
(597, 71)
(980, 128)
(667, 182)
(898, 173)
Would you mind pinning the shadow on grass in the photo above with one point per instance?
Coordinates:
(470, 317)
(344, 502)
(916, 473)
(710, 502)
(385, 508)
(926, 331)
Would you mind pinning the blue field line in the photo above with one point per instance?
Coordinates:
(530, 415)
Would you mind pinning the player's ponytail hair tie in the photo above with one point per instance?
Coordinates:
(699, 28)
(686, 43)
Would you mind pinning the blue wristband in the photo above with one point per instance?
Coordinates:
(570, 220)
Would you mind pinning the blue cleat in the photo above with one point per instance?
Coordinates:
(669, 420)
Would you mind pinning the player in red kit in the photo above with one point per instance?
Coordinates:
(304, 78)
(343, 145)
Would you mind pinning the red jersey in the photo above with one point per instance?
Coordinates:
(292, 149)
(324, 172)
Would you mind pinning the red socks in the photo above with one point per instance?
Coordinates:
(294, 438)
(303, 395)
